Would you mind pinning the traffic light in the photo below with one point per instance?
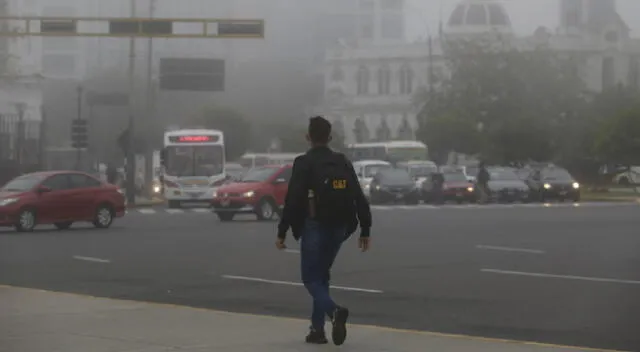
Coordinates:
(79, 135)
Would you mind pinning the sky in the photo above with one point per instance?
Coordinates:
(526, 15)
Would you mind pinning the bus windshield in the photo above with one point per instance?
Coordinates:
(195, 161)
(407, 154)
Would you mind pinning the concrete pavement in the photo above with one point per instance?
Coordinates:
(565, 275)
(38, 321)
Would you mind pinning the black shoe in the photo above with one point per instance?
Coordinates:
(339, 321)
(316, 337)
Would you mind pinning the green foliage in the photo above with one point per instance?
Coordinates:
(519, 97)
(237, 130)
(618, 138)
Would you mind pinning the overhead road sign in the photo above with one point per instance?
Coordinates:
(34, 26)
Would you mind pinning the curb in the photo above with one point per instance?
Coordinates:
(146, 204)
(604, 198)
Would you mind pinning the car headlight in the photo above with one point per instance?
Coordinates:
(367, 186)
(249, 194)
(156, 189)
(120, 191)
(576, 185)
(547, 186)
(470, 189)
(378, 187)
(7, 201)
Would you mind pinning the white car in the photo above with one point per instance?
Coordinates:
(419, 170)
(366, 170)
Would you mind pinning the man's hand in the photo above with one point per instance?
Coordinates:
(280, 244)
(364, 243)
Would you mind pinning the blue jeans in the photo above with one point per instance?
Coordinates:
(319, 246)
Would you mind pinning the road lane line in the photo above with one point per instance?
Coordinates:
(298, 284)
(91, 259)
(293, 251)
(146, 211)
(566, 277)
(201, 210)
(175, 211)
(510, 249)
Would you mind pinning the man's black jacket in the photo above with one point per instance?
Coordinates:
(296, 202)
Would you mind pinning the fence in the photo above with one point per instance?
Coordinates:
(19, 146)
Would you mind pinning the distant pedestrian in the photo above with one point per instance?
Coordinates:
(482, 183)
(323, 207)
(112, 174)
(437, 180)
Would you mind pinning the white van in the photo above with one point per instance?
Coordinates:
(366, 169)
(419, 170)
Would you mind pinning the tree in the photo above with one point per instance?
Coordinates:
(516, 95)
(361, 131)
(383, 132)
(237, 131)
(618, 138)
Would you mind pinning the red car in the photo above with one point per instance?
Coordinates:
(59, 198)
(455, 188)
(261, 191)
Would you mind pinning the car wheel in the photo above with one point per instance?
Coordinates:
(266, 209)
(175, 204)
(103, 217)
(63, 225)
(26, 220)
(226, 216)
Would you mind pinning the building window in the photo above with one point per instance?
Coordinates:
(406, 80)
(608, 73)
(457, 17)
(59, 65)
(337, 75)
(362, 80)
(392, 26)
(476, 16)
(384, 80)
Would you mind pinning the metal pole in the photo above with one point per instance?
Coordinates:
(131, 163)
(42, 145)
(431, 75)
(148, 173)
(79, 150)
(20, 129)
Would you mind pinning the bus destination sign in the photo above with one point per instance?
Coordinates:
(193, 139)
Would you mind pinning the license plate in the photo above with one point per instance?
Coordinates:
(195, 195)
(563, 193)
(224, 203)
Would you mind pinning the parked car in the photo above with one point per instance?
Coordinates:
(420, 170)
(507, 186)
(366, 169)
(59, 198)
(392, 185)
(456, 188)
(261, 191)
(553, 183)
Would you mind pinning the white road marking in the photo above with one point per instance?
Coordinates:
(146, 211)
(292, 251)
(201, 210)
(566, 277)
(175, 211)
(91, 259)
(510, 249)
(298, 284)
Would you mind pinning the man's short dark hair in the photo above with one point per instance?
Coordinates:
(319, 130)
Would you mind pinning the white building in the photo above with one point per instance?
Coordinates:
(372, 85)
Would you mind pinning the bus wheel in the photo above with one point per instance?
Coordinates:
(175, 204)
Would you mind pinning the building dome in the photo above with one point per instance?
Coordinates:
(479, 16)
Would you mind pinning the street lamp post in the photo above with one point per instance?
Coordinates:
(20, 108)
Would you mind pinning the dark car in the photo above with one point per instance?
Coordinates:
(394, 185)
(507, 186)
(59, 198)
(553, 183)
(456, 187)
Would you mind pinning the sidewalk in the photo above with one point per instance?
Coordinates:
(39, 321)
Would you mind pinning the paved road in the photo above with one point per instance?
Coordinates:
(559, 274)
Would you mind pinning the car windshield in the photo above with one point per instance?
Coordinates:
(422, 171)
(395, 177)
(195, 161)
(504, 175)
(259, 174)
(556, 175)
(23, 183)
(454, 177)
(372, 170)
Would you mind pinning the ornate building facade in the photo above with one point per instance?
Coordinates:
(370, 88)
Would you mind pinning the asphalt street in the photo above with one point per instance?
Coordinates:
(562, 274)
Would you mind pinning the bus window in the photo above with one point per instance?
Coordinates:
(261, 161)
(246, 162)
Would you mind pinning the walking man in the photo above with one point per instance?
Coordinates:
(323, 207)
